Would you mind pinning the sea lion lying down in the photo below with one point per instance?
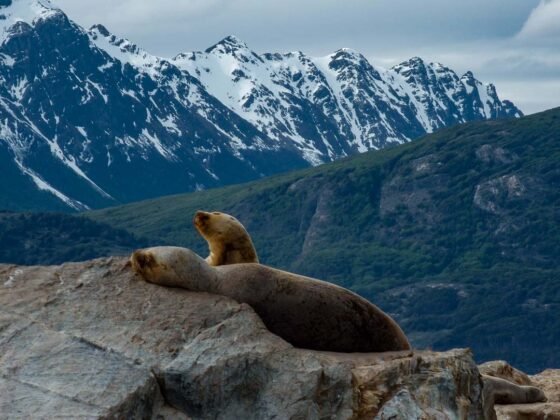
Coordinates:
(503, 392)
(305, 312)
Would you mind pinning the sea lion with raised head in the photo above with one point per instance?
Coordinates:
(307, 313)
(227, 238)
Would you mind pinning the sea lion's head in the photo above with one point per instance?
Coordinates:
(145, 263)
(227, 239)
(154, 266)
(217, 226)
(174, 267)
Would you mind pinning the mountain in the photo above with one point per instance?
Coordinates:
(456, 234)
(335, 106)
(89, 120)
(82, 128)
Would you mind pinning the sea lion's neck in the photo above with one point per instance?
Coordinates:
(196, 274)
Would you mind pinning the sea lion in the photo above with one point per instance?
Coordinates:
(227, 239)
(306, 312)
(503, 392)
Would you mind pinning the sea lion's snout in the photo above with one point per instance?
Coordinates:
(200, 218)
(142, 261)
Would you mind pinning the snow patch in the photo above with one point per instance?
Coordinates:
(156, 143)
(82, 131)
(45, 186)
(170, 124)
(19, 89)
(7, 60)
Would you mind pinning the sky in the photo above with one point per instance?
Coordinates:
(514, 44)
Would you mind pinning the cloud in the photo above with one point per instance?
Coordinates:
(508, 42)
(134, 12)
(543, 22)
(317, 27)
(531, 96)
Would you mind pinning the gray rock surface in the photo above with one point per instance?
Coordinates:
(91, 340)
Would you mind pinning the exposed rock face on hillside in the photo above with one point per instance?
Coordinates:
(92, 340)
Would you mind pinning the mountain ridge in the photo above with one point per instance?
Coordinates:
(90, 119)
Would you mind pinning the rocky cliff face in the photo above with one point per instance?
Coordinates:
(92, 340)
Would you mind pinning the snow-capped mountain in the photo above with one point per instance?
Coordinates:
(340, 104)
(88, 119)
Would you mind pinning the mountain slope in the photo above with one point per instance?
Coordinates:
(456, 235)
(88, 119)
(335, 106)
(95, 130)
(50, 238)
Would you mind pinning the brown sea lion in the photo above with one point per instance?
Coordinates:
(305, 312)
(503, 392)
(227, 239)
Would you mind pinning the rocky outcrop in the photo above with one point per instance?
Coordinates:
(92, 340)
(548, 381)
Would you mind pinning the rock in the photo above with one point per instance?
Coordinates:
(549, 382)
(489, 153)
(502, 369)
(496, 194)
(92, 340)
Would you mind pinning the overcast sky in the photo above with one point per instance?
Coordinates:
(512, 43)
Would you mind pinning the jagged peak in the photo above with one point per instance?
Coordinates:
(468, 76)
(413, 64)
(227, 45)
(416, 60)
(440, 68)
(470, 81)
(124, 50)
(417, 64)
(491, 89)
(347, 52)
(346, 56)
(100, 29)
(13, 12)
(123, 44)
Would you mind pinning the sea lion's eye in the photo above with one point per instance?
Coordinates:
(217, 213)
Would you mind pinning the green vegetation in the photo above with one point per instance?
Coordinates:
(457, 235)
(48, 238)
